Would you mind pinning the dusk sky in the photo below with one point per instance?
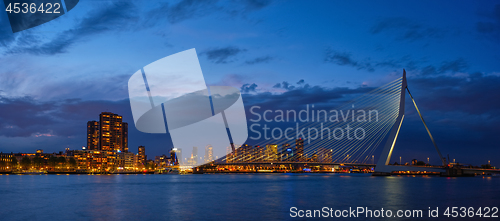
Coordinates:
(281, 54)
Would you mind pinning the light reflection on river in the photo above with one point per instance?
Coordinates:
(229, 197)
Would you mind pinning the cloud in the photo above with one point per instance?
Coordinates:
(115, 16)
(492, 26)
(287, 86)
(246, 88)
(27, 124)
(27, 116)
(118, 16)
(6, 35)
(345, 59)
(453, 66)
(222, 55)
(258, 60)
(24, 116)
(38, 80)
(256, 4)
(406, 29)
(460, 111)
(187, 9)
(192, 9)
(457, 65)
(297, 97)
(474, 94)
(235, 80)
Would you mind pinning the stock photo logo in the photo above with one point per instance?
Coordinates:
(170, 96)
(26, 14)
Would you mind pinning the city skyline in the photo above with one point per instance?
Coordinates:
(107, 152)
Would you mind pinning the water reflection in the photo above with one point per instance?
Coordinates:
(229, 197)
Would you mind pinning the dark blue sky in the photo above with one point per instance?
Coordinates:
(57, 76)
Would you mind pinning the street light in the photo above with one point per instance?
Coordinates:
(428, 160)
(399, 160)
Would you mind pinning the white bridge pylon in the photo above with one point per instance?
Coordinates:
(383, 166)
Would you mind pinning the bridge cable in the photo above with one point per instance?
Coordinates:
(428, 131)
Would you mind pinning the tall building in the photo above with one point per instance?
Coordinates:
(325, 155)
(244, 153)
(176, 156)
(93, 135)
(113, 133)
(258, 154)
(125, 137)
(209, 153)
(110, 133)
(271, 152)
(194, 155)
(193, 160)
(141, 156)
(286, 152)
(229, 154)
(173, 158)
(299, 149)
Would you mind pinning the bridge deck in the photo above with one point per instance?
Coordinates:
(297, 163)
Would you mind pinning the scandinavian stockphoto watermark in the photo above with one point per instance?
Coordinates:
(311, 123)
(366, 212)
(170, 96)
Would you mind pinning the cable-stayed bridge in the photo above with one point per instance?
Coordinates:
(348, 135)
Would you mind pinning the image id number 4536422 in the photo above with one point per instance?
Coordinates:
(46, 8)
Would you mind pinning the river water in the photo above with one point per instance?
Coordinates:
(235, 196)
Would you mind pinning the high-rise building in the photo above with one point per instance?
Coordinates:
(244, 153)
(209, 153)
(110, 133)
(194, 155)
(125, 137)
(299, 149)
(176, 156)
(141, 157)
(113, 132)
(286, 152)
(193, 160)
(229, 154)
(258, 154)
(271, 152)
(173, 157)
(325, 155)
(93, 135)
